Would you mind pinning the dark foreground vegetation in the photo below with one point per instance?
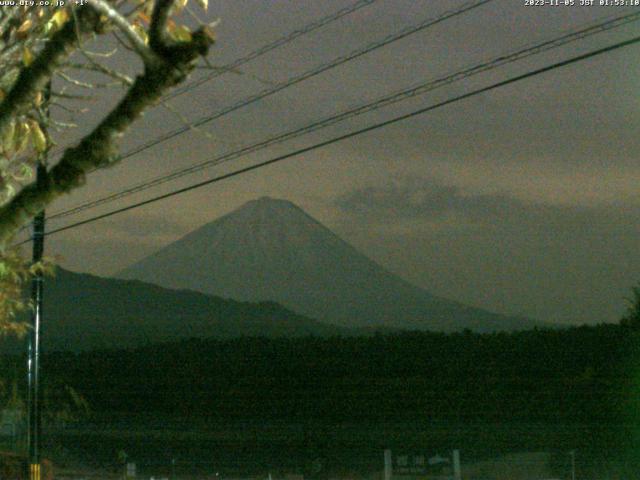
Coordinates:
(582, 374)
(540, 390)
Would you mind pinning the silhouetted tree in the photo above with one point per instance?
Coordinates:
(632, 317)
(41, 48)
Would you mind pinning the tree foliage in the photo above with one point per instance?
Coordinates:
(15, 274)
(45, 56)
(632, 316)
(530, 391)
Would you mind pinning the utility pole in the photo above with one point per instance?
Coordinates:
(37, 291)
(34, 343)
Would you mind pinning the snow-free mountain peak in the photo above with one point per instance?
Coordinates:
(270, 249)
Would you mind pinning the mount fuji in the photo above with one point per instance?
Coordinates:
(271, 250)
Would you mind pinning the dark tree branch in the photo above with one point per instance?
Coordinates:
(34, 78)
(171, 64)
(121, 22)
(158, 27)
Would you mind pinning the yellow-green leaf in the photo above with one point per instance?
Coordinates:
(60, 17)
(8, 136)
(141, 32)
(24, 28)
(179, 5)
(49, 28)
(27, 57)
(204, 4)
(8, 191)
(21, 136)
(38, 138)
(24, 173)
(181, 33)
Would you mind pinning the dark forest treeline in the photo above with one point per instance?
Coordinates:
(538, 390)
(584, 374)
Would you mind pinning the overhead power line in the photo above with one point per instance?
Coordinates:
(495, 62)
(284, 40)
(279, 42)
(394, 37)
(399, 35)
(361, 131)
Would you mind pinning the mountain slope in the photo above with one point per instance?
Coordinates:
(272, 250)
(87, 312)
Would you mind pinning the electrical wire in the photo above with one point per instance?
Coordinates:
(279, 42)
(394, 37)
(420, 89)
(230, 67)
(361, 131)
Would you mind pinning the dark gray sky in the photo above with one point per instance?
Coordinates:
(522, 200)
